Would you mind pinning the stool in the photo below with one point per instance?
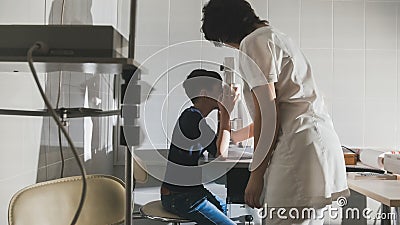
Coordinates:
(155, 211)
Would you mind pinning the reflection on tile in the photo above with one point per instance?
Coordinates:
(76, 130)
(53, 135)
(54, 155)
(42, 156)
(71, 169)
(54, 171)
(41, 175)
(77, 80)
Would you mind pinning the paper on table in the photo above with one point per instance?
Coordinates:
(372, 157)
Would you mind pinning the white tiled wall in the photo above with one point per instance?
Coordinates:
(380, 29)
(352, 45)
(22, 12)
(316, 24)
(285, 14)
(322, 65)
(349, 24)
(184, 22)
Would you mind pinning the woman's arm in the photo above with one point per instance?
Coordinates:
(243, 134)
(224, 135)
(229, 98)
(265, 127)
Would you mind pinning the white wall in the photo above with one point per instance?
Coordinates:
(20, 136)
(353, 46)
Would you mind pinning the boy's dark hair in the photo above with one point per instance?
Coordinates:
(228, 20)
(198, 80)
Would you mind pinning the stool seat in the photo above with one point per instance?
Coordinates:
(155, 211)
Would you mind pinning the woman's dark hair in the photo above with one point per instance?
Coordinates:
(229, 20)
(198, 80)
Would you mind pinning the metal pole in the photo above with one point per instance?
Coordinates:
(128, 187)
(128, 156)
(132, 29)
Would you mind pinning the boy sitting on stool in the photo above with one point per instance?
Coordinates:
(182, 191)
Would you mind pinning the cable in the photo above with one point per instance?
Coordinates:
(58, 101)
(59, 130)
(61, 153)
(38, 46)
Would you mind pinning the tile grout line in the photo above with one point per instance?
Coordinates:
(300, 18)
(167, 72)
(397, 78)
(333, 51)
(365, 76)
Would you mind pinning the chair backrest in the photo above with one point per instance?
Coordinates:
(139, 170)
(55, 202)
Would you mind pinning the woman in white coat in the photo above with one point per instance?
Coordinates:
(298, 162)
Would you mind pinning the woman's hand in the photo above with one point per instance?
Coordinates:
(253, 190)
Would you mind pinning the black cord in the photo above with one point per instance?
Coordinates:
(58, 102)
(59, 130)
(41, 46)
(61, 153)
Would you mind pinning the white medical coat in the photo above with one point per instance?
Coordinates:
(307, 167)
